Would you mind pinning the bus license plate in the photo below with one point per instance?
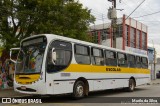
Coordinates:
(23, 87)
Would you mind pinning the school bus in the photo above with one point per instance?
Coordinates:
(49, 64)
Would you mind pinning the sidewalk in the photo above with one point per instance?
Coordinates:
(156, 81)
(11, 93)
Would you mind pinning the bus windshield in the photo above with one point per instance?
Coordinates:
(30, 58)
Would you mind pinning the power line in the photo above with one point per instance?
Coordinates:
(136, 8)
(147, 14)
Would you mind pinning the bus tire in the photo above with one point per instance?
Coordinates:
(78, 90)
(131, 85)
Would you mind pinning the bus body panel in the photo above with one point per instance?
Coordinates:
(96, 82)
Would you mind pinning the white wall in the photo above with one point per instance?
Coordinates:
(119, 42)
(144, 28)
(133, 23)
(107, 42)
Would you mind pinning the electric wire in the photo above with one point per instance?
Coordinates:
(136, 8)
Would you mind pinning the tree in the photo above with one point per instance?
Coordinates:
(22, 18)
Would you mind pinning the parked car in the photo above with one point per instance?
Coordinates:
(158, 74)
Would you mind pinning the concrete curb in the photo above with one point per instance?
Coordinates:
(154, 83)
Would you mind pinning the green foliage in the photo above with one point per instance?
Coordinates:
(1, 50)
(22, 18)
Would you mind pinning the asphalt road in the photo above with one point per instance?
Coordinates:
(103, 98)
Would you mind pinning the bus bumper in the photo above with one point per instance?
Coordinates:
(34, 88)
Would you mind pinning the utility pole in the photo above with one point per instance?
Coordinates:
(114, 25)
(154, 63)
(112, 14)
(154, 72)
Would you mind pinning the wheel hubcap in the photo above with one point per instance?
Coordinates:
(132, 86)
(79, 90)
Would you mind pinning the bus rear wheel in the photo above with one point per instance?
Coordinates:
(78, 90)
(131, 86)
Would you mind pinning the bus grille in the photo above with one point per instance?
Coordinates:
(27, 89)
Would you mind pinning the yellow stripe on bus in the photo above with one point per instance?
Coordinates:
(27, 79)
(104, 69)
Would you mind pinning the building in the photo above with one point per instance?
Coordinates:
(130, 34)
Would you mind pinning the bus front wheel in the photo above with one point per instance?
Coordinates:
(131, 86)
(78, 90)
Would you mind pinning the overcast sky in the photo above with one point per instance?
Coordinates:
(99, 9)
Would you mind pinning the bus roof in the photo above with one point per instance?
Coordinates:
(50, 37)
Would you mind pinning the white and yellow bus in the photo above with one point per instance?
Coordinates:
(52, 64)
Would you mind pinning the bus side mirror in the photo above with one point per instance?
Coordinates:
(54, 57)
(13, 49)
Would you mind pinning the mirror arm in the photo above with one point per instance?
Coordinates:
(11, 54)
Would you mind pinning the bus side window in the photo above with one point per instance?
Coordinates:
(97, 56)
(111, 58)
(138, 62)
(131, 61)
(144, 62)
(122, 60)
(82, 54)
(63, 56)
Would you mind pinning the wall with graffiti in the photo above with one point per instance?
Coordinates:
(6, 70)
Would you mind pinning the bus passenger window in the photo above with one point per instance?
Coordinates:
(111, 58)
(131, 61)
(122, 60)
(97, 56)
(138, 62)
(82, 55)
(144, 62)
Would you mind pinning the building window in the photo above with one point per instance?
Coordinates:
(132, 37)
(97, 56)
(126, 35)
(138, 39)
(111, 58)
(104, 34)
(95, 36)
(144, 46)
(82, 54)
(119, 30)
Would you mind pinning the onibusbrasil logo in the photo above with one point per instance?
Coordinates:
(15, 100)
